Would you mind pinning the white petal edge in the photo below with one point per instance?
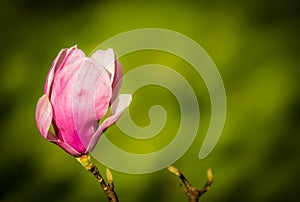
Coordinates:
(107, 59)
(117, 109)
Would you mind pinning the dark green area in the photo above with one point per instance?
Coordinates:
(255, 45)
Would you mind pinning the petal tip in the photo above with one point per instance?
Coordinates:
(43, 115)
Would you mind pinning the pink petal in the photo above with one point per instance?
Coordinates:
(92, 83)
(73, 55)
(120, 104)
(117, 109)
(66, 147)
(117, 80)
(58, 63)
(103, 96)
(62, 100)
(43, 115)
(107, 60)
(52, 138)
(44, 118)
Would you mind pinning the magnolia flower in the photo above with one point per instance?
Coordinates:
(77, 94)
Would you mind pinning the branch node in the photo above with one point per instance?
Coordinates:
(192, 192)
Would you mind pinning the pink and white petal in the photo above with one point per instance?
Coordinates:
(67, 148)
(62, 99)
(103, 96)
(51, 137)
(117, 80)
(56, 63)
(106, 59)
(73, 56)
(120, 104)
(94, 140)
(43, 115)
(117, 109)
(59, 61)
(91, 97)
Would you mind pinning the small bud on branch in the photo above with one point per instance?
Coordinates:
(86, 162)
(192, 192)
(109, 178)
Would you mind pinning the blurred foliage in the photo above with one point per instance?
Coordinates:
(255, 45)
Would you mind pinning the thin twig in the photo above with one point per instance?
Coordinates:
(192, 192)
(111, 195)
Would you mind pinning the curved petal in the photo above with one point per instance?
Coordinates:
(117, 109)
(67, 148)
(56, 63)
(43, 115)
(59, 62)
(73, 55)
(117, 80)
(62, 99)
(92, 93)
(120, 104)
(103, 96)
(106, 59)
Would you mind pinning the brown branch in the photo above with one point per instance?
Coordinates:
(111, 195)
(192, 192)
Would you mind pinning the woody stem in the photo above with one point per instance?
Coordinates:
(108, 189)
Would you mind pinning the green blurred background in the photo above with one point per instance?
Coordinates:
(255, 45)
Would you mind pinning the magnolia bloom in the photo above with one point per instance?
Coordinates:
(77, 94)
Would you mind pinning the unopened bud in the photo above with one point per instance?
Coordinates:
(109, 176)
(210, 176)
(174, 170)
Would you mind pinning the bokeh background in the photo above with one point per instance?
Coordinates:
(255, 45)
